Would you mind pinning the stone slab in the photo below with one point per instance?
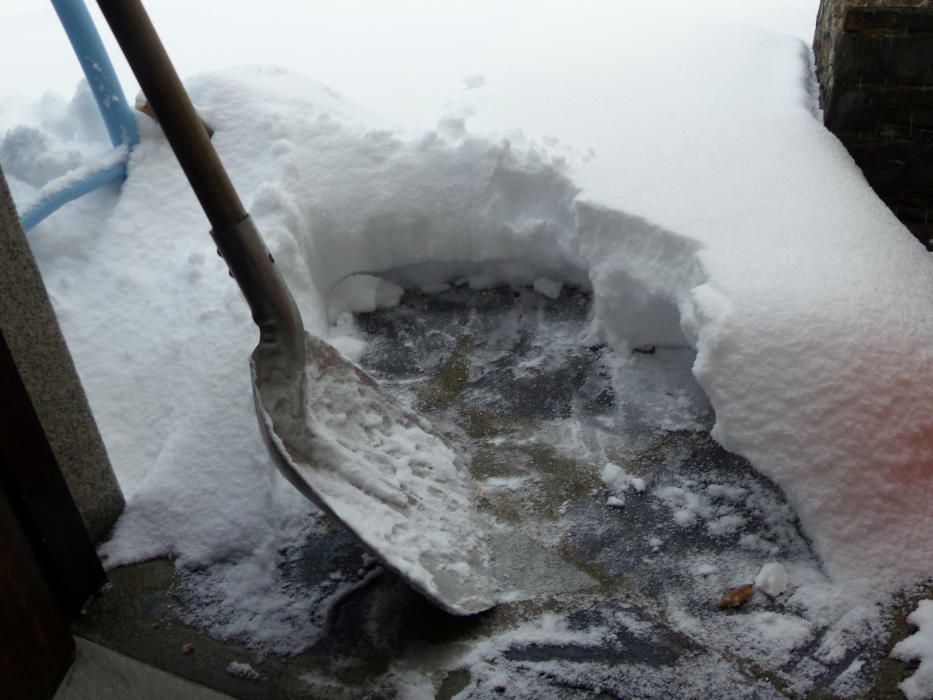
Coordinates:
(99, 672)
(41, 355)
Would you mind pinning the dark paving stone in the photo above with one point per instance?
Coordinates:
(538, 412)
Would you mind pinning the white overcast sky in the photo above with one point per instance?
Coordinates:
(402, 58)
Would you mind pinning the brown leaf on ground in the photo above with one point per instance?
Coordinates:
(736, 597)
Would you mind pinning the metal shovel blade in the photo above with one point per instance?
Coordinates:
(379, 469)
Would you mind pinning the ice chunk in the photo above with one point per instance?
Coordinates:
(772, 579)
(361, 294)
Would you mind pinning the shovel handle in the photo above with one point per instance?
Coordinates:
(237, 239)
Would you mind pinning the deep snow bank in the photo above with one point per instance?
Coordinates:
(807, 302)
(805, 298)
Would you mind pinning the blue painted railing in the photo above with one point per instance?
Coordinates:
(116, 112)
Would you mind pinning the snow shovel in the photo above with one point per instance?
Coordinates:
(366, 460)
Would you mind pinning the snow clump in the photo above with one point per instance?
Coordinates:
(241, 669)
(918, 646)
(772, 579)
(619, 482)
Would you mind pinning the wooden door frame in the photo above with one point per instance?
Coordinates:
(48, 565)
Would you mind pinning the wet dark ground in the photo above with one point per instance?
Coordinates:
(601, 601)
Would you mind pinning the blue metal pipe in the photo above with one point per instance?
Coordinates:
(45, 206)
(117, 114)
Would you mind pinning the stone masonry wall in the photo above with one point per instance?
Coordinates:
(874, 61)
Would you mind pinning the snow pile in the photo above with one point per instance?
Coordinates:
(36, 156)
(807, 301)
(160, 334)
(743, 230)
(918, 646)
(774, 634)
(45, 141)
(718, 509)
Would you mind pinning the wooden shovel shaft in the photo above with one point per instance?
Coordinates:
(250, 263)
(182, 127)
